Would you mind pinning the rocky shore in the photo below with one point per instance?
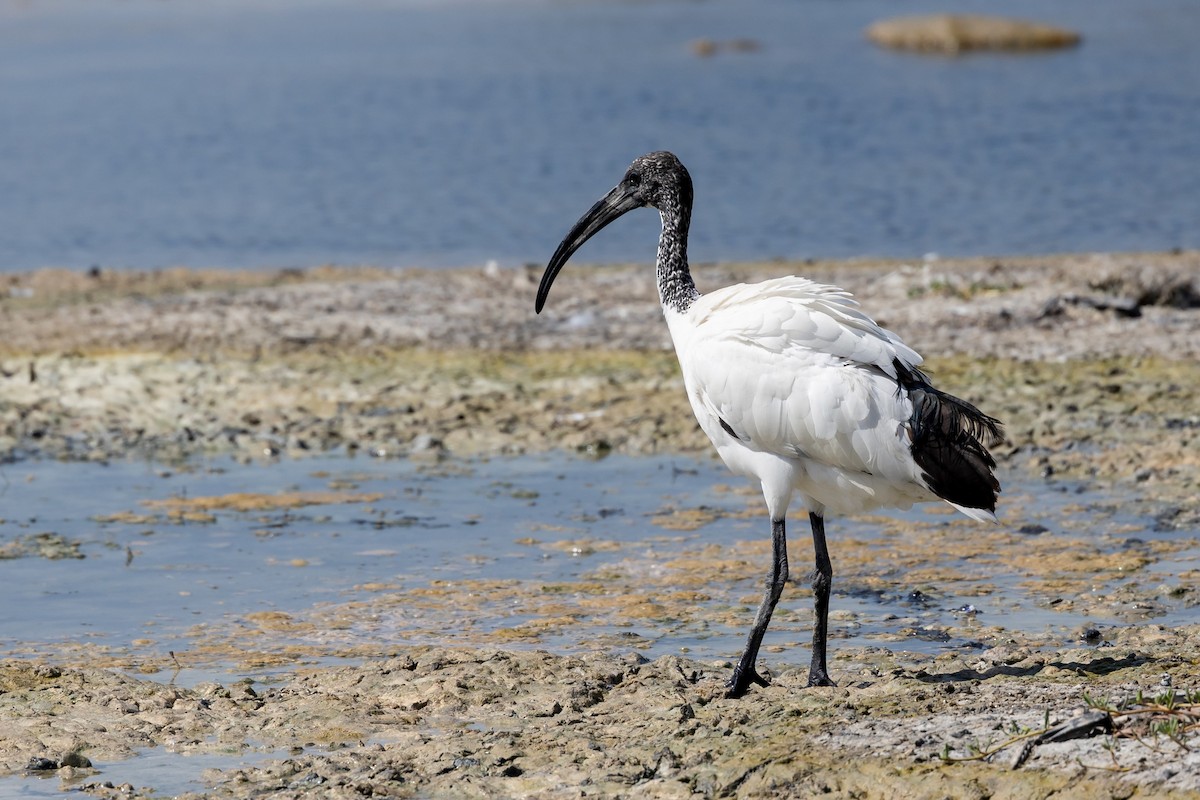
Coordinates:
(1092, 361)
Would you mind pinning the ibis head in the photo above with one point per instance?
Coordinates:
(657, 179)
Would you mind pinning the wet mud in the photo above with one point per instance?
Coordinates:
(482, 722)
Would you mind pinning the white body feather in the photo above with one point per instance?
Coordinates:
(807, 385)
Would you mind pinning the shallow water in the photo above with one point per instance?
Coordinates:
(271, 133)
(169, 774)
(664, 555)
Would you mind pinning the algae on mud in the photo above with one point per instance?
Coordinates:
(1092, 361)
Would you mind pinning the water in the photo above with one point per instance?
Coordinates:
(170, 774)
(270, 133)
(477, 553)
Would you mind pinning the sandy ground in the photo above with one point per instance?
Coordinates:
(1092, 361)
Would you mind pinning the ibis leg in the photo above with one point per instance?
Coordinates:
(818, 673)
(744, 673)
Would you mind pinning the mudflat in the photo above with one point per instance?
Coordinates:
(1092, 361)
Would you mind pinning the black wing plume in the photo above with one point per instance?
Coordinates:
(950, 438)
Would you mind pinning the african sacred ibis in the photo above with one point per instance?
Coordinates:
(801, 391)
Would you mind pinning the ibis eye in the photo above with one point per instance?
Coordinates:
(633, 179)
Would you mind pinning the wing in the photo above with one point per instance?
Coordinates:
(792, 367)
(791, 313)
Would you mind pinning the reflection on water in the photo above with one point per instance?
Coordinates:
(228, 566)
(145, 134)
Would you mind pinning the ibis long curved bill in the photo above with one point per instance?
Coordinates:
(620, 201)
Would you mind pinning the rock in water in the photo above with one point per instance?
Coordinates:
(957, 33)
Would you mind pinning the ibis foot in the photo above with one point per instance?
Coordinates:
(820, 678)
(741, 679)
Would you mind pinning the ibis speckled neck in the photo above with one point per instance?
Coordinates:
(676, 288)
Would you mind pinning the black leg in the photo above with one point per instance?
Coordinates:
(818, 674)
(744, 673)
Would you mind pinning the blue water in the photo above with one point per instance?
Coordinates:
(268, 133)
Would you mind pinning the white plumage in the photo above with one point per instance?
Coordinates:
(801, 391)
(807, 383)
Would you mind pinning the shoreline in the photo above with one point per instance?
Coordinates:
(1092, 361)
(1089, 360)
(1105, 304)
